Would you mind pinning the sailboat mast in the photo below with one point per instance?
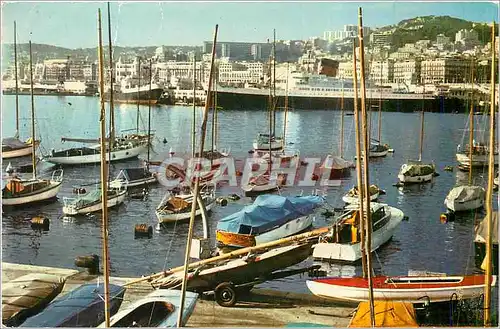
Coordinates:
(111, 90)
(341, 147)
(366, 184)
(33, 143)
(274, 82)
(471, 123)
(489, 191)
(196, 185)
(15, 75)
(149, 109)
(216, 115)
(271, 101)
(422, 127)
(380, 103)
(104, 189)
(213, 129)
(138, 94)
(358, 158)
(193, 125)
(286, 103)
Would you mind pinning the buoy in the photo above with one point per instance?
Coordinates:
(91, 263)
(251, 152)
(314, 177)
(221, 201)
(40, 222)
(239, 173)
(406, 218)
(143, 230)
(303, 163)
(447, 217)
(79, 190)
(448, 168)
(165, 141)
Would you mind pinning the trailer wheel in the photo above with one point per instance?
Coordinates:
(225, 294)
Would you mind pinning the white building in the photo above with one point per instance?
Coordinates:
(407, 72)
(240, 73)
(382, 72)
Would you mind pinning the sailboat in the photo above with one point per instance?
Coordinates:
(13, 147)
(267, 142)
(337, 166)
(411, 288)
(116, 148)
(17, 191)
(417, 171)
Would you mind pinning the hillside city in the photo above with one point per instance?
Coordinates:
(413, 67)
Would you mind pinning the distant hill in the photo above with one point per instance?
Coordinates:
(428, 27)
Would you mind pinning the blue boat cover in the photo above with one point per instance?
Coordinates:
(81, 307)
(267, 212)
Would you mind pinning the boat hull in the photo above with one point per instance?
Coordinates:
(477, 160)
(112, 202)
(415, 179)
(464, 206)
(164, 218)
(25, 151)
(96, 158)
(351, 252)
(47, 194)
(262, 147)
(471, 286)
(143, 97)
(350, 199)
(246, 240)
(133, 183)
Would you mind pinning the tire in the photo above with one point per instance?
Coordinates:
(225, 294)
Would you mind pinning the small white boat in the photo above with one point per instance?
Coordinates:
(14, 148)
(91, 201)
(282, 156)
(463, 198)
(158, 309)
(132, 177)
(262, 143)
(337, 167)
(480, 155)
(260, 185)
(175, 208)
(343, 242)
(416, 172)
(88, 155)
(352, 195)
(414, 289)
(378, 150)
(17, 191)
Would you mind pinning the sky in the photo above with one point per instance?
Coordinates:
(74, 24)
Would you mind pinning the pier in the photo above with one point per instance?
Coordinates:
(262, 307)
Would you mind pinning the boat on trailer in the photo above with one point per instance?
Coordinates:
(269, 218)
(414, 289)
(343, 241)
(27, 295)
(158, 309)
(81, 307)
(92, 201)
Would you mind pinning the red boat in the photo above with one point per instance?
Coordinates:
(415, 289)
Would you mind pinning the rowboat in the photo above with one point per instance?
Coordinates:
(175, 208)
(81, 307)
(269, 218)
(158, 309)
(414, 289)
(352, 195)
(463, 198)
(343, 241)
(27, 295)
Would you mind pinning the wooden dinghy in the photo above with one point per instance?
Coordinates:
(158, 309)
(27, 295)
(414, 289)
(81, 307)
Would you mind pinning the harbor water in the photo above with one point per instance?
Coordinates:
(422, 243)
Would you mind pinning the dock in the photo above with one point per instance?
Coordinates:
(262, 307)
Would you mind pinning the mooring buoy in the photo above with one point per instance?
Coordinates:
(143, 230)
(91, 263)
(40, 222)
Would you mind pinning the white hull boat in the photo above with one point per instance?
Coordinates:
(178, 208)
(349, 251)
(79, 206)
(133, 177)
(463, 198)
(291, 228)
(352, 196)
(14, 148)
(92, 155)
(415, 173)
(48, 191)
(414, 289)
(262, 143)
(260, 185)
